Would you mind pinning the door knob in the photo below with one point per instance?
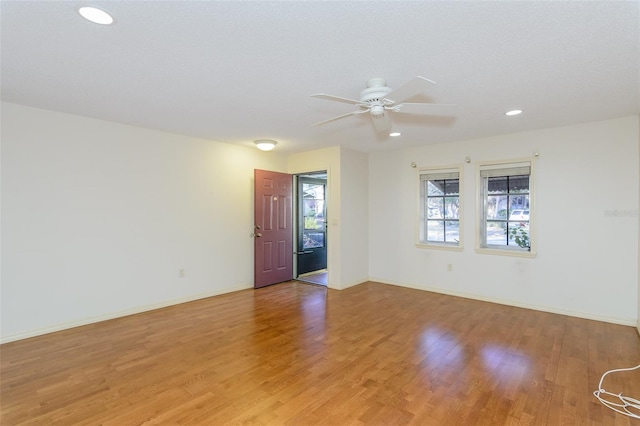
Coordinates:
(258, 235)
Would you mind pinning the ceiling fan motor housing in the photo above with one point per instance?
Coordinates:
(373, 95)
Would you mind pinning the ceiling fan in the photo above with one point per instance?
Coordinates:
(378, 99)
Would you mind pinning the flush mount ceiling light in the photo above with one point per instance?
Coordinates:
(265, 144)
(394, 134)
(95, 15)
(513, 112)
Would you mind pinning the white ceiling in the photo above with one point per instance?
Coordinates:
(238, 71)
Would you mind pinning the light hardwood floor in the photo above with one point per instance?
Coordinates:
(299, 354)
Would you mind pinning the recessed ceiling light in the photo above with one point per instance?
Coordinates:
(394, 134)
(95, 15)
(513, 112)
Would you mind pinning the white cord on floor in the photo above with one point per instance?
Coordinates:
(626, 402)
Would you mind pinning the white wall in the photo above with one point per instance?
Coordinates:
(354, 239)
(98, 218)
(587, 256)
(347, 205)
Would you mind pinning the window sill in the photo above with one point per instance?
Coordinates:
(506, 252)
(439, 247)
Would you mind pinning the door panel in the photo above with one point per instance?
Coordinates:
(312, 231)
(273, 234)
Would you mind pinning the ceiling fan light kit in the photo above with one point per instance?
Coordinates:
(377, 99)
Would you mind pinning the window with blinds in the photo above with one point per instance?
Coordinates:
(506, 206)
(440, 208)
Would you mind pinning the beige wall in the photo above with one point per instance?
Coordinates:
(98, 218)
(585, 209)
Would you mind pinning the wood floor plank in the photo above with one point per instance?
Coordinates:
(300, 354)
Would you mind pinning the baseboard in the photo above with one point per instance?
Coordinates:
(137, 310)
(119, 314)
(584, 315)
(352, 284)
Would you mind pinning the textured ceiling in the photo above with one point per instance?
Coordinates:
(238, 71)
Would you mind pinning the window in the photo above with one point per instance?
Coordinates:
(505, 194)
(440, 208)
(313, 210)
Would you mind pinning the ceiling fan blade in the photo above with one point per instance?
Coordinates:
(336, 99)
(411, 88)
(382, 122)
(418, 108)
(340, 116)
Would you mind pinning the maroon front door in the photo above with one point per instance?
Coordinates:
(273, 233)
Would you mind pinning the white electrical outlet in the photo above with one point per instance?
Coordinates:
(181, 273)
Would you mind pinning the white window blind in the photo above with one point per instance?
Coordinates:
(497, 170)
(439, 175)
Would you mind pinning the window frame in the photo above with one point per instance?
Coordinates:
(421, 231)
(481, 203)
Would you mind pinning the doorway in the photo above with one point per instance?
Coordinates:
(311, 226)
